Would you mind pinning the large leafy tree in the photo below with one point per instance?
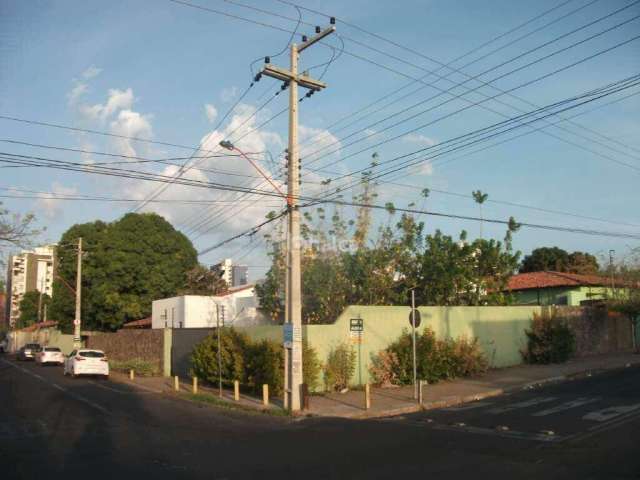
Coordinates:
(559, 260)
(31, 308)
(202, 281)
(127, 264)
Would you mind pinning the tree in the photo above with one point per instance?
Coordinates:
(480, 198)
(202, 281)
(31, 308)
(559, 260)
(16, 229)
(128, 264)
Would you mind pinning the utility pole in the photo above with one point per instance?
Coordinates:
(77, 321)
(40, 301)
(293, 327)
(219, 351)
(611, 270)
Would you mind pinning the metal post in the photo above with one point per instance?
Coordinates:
(77, 320)
(413, 339)
(219, 352)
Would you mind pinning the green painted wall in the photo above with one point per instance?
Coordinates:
(46, 336)
(500, 331)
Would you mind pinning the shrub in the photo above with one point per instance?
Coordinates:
(550, 340)
(144, 368)
(265, 364)
(435, 359)
(311, 366)
(340, 367)
(384, 367)
(204, 358)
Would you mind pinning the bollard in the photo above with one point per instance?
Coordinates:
(131, 374)
(236, 390)
(420, 393)
(176, 383)
(195, 385)
(265, 395)
(367, 397)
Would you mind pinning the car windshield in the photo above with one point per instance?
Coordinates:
(51, 349)
(32, 346)
(91, 354)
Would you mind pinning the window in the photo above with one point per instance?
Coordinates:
(91, 354)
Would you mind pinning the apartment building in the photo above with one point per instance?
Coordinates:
(28, 271)
(234, 275)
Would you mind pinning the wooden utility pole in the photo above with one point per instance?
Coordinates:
(293, 327)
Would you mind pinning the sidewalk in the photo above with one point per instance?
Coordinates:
(397, 401)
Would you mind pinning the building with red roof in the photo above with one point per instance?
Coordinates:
(559, 288)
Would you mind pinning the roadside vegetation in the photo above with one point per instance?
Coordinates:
(549, 340)
(435, 359)
(142, 368)
(252, 363)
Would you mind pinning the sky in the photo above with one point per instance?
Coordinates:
(175, 74)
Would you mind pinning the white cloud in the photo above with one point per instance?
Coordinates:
(130, 124)
(91, 72)
(211, 112)
(117, 100)
(76, 92)
(315, 139)
(419, 139)
(51, 208)
(228, 94)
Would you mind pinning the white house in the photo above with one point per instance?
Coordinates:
(236, 308)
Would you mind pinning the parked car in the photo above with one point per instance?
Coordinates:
(48, 355)
(28, 351)
(86, 362)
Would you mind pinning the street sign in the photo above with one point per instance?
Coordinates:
(356, 325)
(418, 319)
(291, 334)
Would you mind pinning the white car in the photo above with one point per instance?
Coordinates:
(86, 362)
(50, 355)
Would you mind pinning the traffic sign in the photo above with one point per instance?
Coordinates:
(356, 325)
(418, 319)
(76, 322)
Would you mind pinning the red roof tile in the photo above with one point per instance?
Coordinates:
(36, 326)
(548, 279)
(142, 323)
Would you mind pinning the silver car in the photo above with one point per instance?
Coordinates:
(29, 351)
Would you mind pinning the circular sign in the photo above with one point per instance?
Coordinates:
(418, 319)
(76, 322)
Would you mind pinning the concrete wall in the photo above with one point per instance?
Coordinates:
(44, 336)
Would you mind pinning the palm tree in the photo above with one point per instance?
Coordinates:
(480, 198)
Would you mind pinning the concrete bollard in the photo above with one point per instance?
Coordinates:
(195, 385)
(420, 392)
(176, 383)
(367, 397)
(132, 374)
(265, 395)
(236, 390)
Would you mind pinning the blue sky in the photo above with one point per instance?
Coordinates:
(150, 68)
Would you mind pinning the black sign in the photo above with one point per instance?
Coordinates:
(418, 319)
(356, 325)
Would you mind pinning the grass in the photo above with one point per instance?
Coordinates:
(143, 368)
(215, 401)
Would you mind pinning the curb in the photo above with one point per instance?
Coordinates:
(459, 400)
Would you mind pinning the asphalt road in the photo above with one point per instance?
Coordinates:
(57, 427)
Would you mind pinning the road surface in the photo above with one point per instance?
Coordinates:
(57, 427)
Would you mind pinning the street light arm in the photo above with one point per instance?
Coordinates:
(229, 146)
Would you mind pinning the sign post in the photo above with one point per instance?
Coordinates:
(356, 332)
(413, 337)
